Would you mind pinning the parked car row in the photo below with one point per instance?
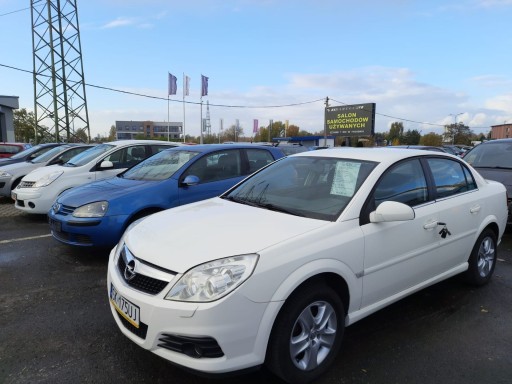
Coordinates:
(96, 214)
(229, 257)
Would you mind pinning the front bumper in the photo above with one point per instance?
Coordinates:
(33, 200)
(87, 232)
(234, 323)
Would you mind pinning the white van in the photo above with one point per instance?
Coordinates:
(38, 190)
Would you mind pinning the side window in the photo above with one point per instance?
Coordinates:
(405, 183)
(258, 158)
(216, 166)
(66, 156)
(159, 148)
(127, 157)
(71, 153)
(449, 177)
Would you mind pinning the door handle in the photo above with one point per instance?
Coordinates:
(475, 209)
(430, 225)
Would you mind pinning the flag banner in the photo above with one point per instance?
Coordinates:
(255, 126)
(204, 85)
(172, 84)
(186, 86)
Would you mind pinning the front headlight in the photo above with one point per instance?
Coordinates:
(5, 174)
(213, 280)
(47, 179)
(97, 209)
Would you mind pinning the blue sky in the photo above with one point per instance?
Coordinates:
(421, 62)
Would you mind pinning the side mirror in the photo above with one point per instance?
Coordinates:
(106, 165)
(391, 211)
(191, 180)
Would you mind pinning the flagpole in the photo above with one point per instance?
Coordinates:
(201, 125)
(184, 90)
(168, 93)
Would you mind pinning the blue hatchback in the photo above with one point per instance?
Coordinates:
(97, 214)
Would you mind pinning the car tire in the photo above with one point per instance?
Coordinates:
(307, 334)
(482, 259)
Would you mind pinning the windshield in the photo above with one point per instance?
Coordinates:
(89, 155)
(160, 166)
(313, 187)
(492, 155)
(45, 157)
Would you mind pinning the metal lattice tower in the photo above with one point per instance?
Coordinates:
(60, 105)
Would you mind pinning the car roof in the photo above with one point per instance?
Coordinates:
(204, 148)
(385, 155)
(122, 143)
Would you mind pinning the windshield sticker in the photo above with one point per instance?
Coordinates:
(345, 178)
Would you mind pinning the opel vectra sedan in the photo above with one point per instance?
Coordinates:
(96, 214)
(273, 270)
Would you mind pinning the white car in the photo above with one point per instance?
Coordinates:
(273, 270)
(11, 174)
(38, 190)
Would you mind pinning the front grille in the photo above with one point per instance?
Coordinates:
(140, 282)
(66, 210)
(140, 332)
(72, 237)
(191, 346)
(26, 184)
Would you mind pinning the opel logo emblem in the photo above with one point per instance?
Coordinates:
(56, 207)
(129, 271)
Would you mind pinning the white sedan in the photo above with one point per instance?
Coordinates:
(273, 270)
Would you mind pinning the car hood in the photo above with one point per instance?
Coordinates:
(21, 167)
(180, 238)
(108, 189)
(40, 172)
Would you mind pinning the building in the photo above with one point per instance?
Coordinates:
(149, 129)
(501, 131)
(308, 141)
(7, 105)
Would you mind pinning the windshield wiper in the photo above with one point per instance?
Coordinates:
(492, 166)
(242, 201)
(272, 207)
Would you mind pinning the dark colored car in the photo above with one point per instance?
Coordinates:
(422, 147)
(29, 154)
(493, 160)
(97, 214)
(8, 150)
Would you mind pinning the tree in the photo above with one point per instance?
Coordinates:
(232, 133)
(24, 125)
(411, 137)
(112, 134)
(395, 133)
(81, 136)
(457, 134)
(432, 139)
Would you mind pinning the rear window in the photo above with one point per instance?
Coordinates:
(491, 155)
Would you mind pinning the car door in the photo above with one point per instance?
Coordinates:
(399, 255)
(459, 208)
(217, 172)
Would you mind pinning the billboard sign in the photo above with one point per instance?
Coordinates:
(350, 120)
